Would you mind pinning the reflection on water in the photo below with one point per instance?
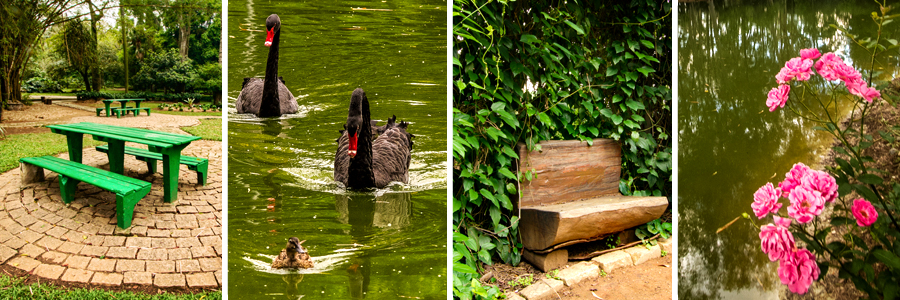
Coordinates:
(730, 144)
(374, 244)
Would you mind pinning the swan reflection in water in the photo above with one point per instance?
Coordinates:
(368, 215)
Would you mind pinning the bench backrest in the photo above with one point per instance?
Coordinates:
(569, 170)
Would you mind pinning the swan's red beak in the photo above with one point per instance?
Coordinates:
(352, 150)
(270, 34)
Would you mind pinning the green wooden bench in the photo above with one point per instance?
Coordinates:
(128, 190)
(134, 111)
(111, 109)
(193, 163)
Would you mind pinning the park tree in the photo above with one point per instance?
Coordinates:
(77, 45)
(24, 22)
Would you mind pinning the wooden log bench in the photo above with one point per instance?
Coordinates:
(128, 190)
(200, 165)
(134, 111)
(575, 198)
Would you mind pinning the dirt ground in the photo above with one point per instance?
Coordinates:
(650, 280)
(39, 112)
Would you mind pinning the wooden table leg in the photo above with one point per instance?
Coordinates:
(76, 143)
(171, 164)
(116, 156)
(137, 104)
(107, 104)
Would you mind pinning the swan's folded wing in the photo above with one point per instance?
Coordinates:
(391, 155)
(250, 90)
(342, 159)
(288, 103)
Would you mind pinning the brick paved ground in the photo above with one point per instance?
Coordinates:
(169, 244)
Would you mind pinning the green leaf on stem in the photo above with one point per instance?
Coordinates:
(888, 258)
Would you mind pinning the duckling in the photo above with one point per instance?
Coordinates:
(293, 256)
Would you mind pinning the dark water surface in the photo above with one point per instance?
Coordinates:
(730, 144)
(383, 244)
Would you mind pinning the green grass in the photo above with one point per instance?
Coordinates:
(17, 146)
(209, 129)
(15, 288)
(153, 106)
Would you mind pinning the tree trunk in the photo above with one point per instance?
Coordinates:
(124, 44)
(184, 30)
(96, 15)
(87, 82)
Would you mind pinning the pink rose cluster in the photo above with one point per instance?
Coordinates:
(830, 66)
(808, 191)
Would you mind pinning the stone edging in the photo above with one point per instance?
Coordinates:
(546, 288)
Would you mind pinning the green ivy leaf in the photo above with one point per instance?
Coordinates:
(530, 39)
(634, 105)
(575, 26)
(610, 71)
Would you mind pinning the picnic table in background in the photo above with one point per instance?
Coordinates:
(167, 144)
(123, 102)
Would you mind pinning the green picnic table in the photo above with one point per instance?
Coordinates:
(167, 144)
(123, 102)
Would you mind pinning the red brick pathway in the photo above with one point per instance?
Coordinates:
(169, 244)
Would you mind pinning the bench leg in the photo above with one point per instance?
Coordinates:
(30, 173)
(67, 188)
(125, 206)
(171, 163)
(201, 173)
(151, 164)
(76, 142)
(116, 156)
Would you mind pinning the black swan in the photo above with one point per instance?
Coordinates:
(364, 161)
(267, 97)
(293, 256)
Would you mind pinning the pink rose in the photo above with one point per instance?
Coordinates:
(765, 201)
(846, 73)
(792, 178)
(783, 222)
(811, 53)
(778, 97)
(798, 271)
(861, 89)
(805, 204)
(795, 68)
(826, 65)
(821, 182)
(864, 212)
(777, 241)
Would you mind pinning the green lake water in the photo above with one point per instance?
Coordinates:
(378, 244)
(730, 144)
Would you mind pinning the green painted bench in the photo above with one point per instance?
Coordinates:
(135, 111)
(193, 163)
(111, 109)
(128, 190)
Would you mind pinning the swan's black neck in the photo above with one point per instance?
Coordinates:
(360, 173)
(271, 103)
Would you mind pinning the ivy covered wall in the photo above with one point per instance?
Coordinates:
(528, 71)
